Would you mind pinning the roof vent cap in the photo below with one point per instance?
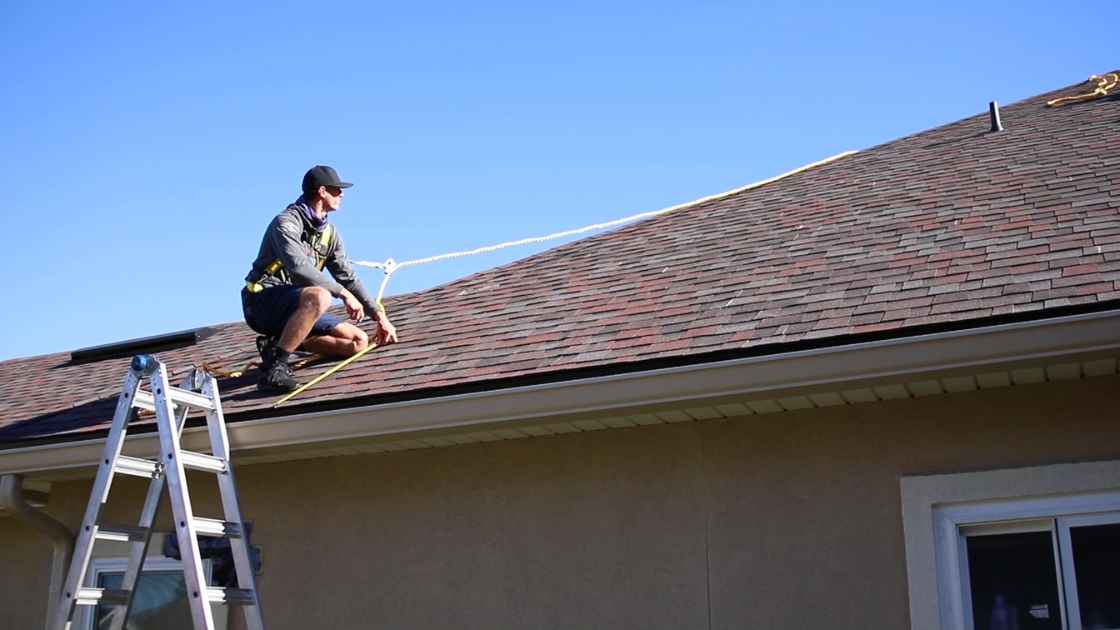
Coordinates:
(993, 115)
(143, 345)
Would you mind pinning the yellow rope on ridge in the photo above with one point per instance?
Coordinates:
(1105, 84)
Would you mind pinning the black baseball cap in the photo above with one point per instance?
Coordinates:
(322, 176)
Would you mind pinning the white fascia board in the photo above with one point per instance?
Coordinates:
(973, 348)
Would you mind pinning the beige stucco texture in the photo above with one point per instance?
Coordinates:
(789, 520)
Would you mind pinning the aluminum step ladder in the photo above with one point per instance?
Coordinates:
(171, 406)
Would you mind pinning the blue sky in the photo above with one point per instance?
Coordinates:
(147, 147)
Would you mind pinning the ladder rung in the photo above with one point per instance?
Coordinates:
(215, 527)
(202, 461)
(138, 467)
(242, 596)
(145, 399)
(122, 533)
(90, 596)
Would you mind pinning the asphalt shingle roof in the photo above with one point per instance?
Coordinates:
(950, 224)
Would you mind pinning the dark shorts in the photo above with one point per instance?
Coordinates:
(268, 311)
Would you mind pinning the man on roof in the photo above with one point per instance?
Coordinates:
(286, 294)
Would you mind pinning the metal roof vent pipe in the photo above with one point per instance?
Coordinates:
(993, 114)
(62, 539)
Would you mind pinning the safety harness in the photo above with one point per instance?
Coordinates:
(321, 247)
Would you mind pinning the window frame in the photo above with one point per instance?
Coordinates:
(953, 521)
(1047, 525)
(936, 508)
(1065, 544)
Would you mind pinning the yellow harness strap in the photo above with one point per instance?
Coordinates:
(321, 246)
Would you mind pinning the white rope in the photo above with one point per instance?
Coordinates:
(390, 266)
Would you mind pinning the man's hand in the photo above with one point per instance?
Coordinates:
(353, 306)
(386, 331)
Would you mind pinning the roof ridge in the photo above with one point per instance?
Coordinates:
(983, 114)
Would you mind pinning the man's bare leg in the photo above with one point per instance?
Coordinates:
(344, 340)
(313, 302)
(276, 373)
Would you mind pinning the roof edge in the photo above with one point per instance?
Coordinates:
(602, 370)
(887, 358)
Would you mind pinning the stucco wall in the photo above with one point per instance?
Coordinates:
(789, 520)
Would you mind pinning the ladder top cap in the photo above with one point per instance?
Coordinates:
(144, 363)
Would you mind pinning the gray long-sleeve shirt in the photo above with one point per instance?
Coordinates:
(288, 239)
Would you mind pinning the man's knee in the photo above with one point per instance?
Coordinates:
(360, 341)
(355, 337)
(317, 298)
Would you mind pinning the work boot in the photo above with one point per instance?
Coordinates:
(278, 378)
(276, 374)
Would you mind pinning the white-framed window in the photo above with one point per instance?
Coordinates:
(1053, 574)
(159, 603)
(1022, 549)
